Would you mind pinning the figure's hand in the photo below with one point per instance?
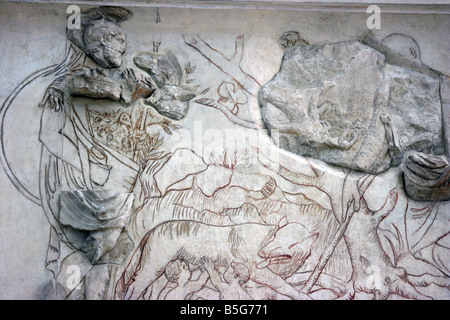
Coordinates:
(351, 198)
(347, 139)
(207, 263)
(139, 86)
(134, 77)
(130, 75)
(426, 166)
(54, 97)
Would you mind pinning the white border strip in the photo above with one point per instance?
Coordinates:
(409, 8)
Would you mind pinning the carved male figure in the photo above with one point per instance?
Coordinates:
(85, 185)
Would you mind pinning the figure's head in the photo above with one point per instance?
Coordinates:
(401, 50)
(177, 271)
(237, 272)
(287, 248)
(101, 36)
(105, 43)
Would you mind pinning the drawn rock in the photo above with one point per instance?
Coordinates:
(328, 102)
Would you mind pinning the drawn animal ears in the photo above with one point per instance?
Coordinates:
(283, 222)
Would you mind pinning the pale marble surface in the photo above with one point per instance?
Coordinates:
(197, 181)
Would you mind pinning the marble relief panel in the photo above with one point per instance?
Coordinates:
(169, 167)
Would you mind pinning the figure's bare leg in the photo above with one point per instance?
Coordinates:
(275, 282)
(325, 281)
(98, 243)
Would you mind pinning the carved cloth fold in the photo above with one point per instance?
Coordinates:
(91, 210)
